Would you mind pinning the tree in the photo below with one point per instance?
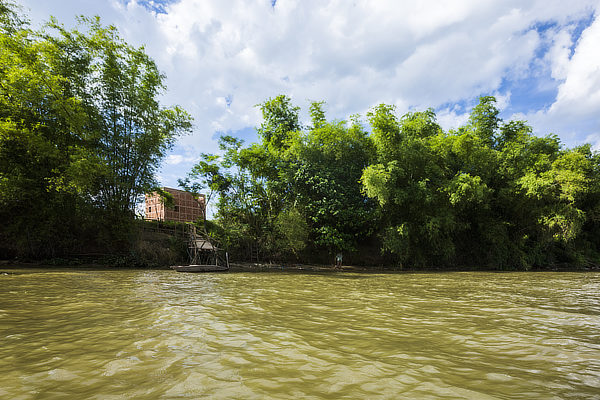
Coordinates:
(484, 120)
(38, 125)
(280, 120)
(406, 182)
(489, 194)
(326, 165)
(81, 136)
(127, 131)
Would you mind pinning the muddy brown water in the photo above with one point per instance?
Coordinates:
(280, 335)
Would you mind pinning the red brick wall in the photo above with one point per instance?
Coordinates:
(186, 209)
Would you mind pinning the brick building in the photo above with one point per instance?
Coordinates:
(186, 207)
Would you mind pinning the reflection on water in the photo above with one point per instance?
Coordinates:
(161, 334)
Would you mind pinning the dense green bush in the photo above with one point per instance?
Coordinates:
(489, 194)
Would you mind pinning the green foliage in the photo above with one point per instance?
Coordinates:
(327, 163)
(489, 194)
(484, 120)
(293, 231)
(206, 176)
(295, 187)
(465, 190)
(280, 121)
(166, 198)
(407, 183)
(386, 131)
(126, 131)
(81, 135)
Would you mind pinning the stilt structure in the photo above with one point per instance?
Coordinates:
(203, 254)
(200, 249)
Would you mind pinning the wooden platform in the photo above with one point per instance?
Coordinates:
(199, 268)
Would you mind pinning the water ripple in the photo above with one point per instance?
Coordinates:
(159, 334)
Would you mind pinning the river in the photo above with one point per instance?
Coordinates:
(288, 335)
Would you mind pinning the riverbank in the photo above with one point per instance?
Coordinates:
(248, 266)
(266, 267)
(237, 266)
(253, 266)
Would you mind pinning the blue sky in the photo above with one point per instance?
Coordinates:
(541, 59)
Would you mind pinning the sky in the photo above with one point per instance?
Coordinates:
(541, 59)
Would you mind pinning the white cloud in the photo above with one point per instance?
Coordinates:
(559, 55)
(574, 114)
(224, 57)
(579, 94)
(451, 118)
(594, 139)
(176, 159)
